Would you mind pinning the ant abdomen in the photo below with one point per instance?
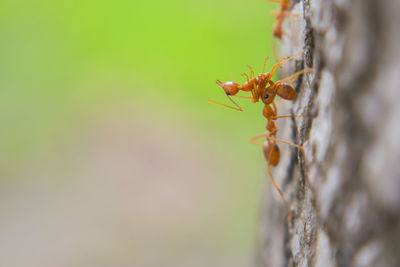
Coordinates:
(278, 31)
(271, 153)
(230, 88)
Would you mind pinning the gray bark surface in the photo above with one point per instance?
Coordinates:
(344, 189)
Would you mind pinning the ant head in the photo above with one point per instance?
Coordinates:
(230, 88)
(268, 96)
(286, 91)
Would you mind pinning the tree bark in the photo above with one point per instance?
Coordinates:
(344, 189)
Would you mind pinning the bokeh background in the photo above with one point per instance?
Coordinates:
(110, 154)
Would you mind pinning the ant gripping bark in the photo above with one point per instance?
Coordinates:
(262, 87)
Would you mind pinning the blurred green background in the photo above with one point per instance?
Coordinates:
(110, 154)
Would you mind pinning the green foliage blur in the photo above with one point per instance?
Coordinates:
(67, 65)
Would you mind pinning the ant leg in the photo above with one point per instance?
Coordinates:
(254, 138)
(285, 142)
(283, 116)
(248, 80)
(255, 94)
(252, 75)
(265, 63)
(279, 191)
(287, 116)
(211, 101)
(251, 90)
(275, 108)
(294, 76)
(252, 72)
(255, 89)
(238, 108)
(276, 66)
(283, 60)
(274, 45)
(267, 135)
(284, 13)
(244, 96)
(247, 77)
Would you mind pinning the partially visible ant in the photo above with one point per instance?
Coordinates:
(280, 16)
(262, 87)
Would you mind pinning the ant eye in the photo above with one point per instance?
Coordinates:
(266, 96)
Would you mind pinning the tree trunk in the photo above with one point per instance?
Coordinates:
(344, 189)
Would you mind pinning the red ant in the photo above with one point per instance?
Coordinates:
(280, 16)
(262, 87)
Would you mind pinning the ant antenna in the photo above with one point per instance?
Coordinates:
(252, 75)
(265, 63)
(247, 77)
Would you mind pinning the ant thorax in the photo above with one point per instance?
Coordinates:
(263, 79)
(249, 85)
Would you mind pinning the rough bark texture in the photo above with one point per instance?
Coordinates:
(344, 190)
